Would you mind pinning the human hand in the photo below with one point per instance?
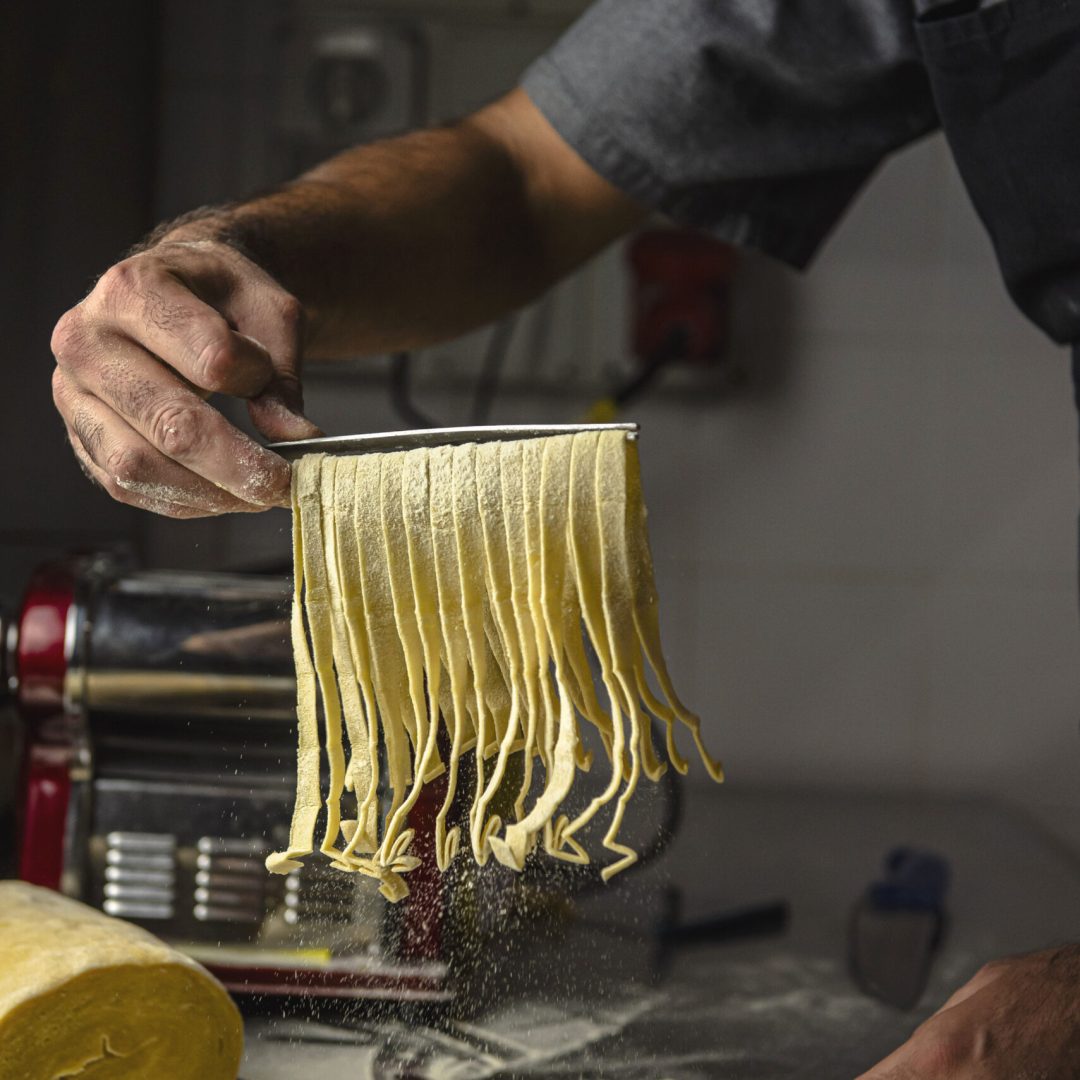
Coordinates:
(159, 333)
(1017, 1019)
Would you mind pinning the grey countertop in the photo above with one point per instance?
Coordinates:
(592, 997)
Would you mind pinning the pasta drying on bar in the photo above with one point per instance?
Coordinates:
(445, 604)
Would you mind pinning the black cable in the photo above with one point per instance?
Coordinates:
(401, 392)
(672, 348)
(487, 383)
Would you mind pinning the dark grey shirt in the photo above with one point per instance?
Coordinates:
(757, 120)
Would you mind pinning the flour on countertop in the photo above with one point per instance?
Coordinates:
(769, 1016)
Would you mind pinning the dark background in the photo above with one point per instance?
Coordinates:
(78, 104)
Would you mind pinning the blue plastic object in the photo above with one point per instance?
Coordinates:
(914, 881)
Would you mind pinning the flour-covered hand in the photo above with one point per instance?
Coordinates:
(160, 332)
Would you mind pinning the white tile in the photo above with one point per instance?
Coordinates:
(1005, 435)
(472, 63)
(834, 472)
(1061, 821)
(1005, 683)
(679, 587)
(900, 214)
(869, 300)
(812, 683)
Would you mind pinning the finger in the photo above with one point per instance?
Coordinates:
(987, 974)
(99, 477)
(131, 470)
(255, 304)
(896, 1071)
(128, 467)
(250, 299)
(177, 422)
(145, 302)
(278, 413)
(898, 1066)
(275, 320)
(272, 320)
(227, 309)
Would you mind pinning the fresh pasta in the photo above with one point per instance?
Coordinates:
(86, 995)
(446, 603)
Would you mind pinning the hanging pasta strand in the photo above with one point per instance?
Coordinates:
(531, 643)
(388, 678)
(455, 644)
(486, 677)
(318, 607)
(585, 545)
(532, 478)
(359, 766)
(413, 522)
(446, 602)
(308, 795)
(617, 603)
(548, 496)
(361, 724)
(388, 668)
(496, 561)
(617, 588)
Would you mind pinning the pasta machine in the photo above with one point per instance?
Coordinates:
(158, 772)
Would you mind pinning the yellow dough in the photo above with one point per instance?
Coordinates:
(447, 602)
(306, 810)
(83, 994)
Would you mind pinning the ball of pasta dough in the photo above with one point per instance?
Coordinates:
(85, 994)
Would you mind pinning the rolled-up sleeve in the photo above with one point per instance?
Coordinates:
(755, 120)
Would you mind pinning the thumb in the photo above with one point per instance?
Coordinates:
(278, 412)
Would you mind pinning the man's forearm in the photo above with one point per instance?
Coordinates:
(384, 247)
(426, 236)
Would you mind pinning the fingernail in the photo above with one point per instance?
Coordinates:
(278, 418)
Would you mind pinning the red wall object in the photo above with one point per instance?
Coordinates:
(682, 281)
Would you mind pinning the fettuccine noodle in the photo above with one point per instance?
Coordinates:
(446, 604)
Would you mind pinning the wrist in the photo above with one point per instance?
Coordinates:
(202, 223)
(215, 224)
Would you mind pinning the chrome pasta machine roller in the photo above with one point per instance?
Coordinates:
(159, 746)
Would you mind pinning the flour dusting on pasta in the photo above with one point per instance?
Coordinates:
(446, 604)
